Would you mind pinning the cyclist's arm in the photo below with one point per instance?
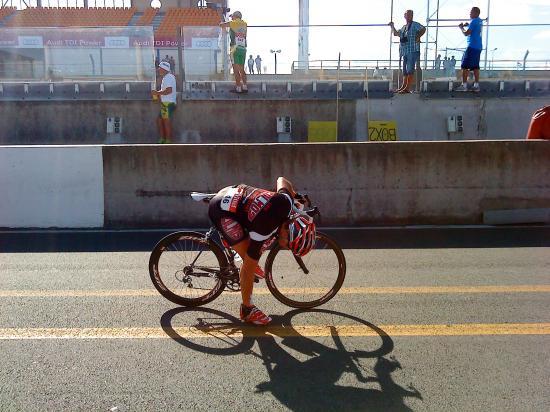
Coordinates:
(285, 185)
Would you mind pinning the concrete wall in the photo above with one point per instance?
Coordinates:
(353, 183)
(51, 187)
(423, 119)
(83, 122)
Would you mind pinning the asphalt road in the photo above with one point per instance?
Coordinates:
(421, 329)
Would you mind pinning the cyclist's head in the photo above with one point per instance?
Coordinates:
(301, 235)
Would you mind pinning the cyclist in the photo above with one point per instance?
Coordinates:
(248, 217)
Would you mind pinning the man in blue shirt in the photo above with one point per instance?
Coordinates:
(470, 60)
(409, 48)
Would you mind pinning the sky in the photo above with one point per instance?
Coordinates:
(366, 43)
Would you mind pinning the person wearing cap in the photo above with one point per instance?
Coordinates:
(237, 33)
(167, 94)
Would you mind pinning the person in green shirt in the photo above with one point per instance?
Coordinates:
(237, 33)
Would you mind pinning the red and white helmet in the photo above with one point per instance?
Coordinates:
(301, 235)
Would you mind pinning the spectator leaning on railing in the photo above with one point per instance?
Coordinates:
(409, 48)
(237, 33)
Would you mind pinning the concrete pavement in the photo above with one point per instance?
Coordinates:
(420, 329)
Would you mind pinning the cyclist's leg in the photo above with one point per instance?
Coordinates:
(247, 271)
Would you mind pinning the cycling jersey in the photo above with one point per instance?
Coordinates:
(244, 211)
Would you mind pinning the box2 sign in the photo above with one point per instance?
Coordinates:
(382, 131)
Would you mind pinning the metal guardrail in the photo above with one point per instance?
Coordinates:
(274, 90)
(327, 64)
(45, 91)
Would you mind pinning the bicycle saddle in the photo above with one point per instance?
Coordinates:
(202, 197)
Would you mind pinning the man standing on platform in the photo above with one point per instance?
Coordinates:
(167, 94)
(237, 33)
(470, 60)
(409, 48)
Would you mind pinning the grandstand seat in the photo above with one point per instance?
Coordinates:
(177, 17)
(77, 17)
(147, 18)
(6, 11)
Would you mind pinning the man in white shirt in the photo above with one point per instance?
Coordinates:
(167, 94)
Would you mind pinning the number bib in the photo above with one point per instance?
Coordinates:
(240, 39)
(231, 199)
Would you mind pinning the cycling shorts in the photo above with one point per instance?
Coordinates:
(260, 225)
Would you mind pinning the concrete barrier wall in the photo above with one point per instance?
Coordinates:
(400, 183)
(51, 187)
(54, 122)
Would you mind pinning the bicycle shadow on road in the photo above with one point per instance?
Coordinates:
(321, 376)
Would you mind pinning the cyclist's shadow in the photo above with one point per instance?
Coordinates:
(310, 384)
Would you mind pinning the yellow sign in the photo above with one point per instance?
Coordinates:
(382, 131)
(321, 131)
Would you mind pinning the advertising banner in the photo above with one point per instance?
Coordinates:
(109, 38)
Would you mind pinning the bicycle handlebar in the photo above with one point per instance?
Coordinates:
(310, 212)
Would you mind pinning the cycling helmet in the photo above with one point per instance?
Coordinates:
(301, 235)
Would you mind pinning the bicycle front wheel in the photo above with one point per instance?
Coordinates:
(309, 281)
(184, 267)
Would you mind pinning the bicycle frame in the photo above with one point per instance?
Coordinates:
(231, 274)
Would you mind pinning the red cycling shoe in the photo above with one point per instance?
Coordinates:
(259, 273)
(254, 316)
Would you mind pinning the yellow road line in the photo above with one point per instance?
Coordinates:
(291, 291)
(231, 330)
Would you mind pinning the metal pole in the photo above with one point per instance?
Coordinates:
(427, 37)
(303, 35)
(436, 31)
(487, 34)
(181, 58)
(391, 32)
(337, 94)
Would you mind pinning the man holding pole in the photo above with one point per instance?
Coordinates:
(237, 32)
(409, 48)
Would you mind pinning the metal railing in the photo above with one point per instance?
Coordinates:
(334, 64)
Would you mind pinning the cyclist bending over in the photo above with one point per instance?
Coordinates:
(247, 217)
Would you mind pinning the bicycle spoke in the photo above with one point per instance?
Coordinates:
(186, 266)
(310, 280)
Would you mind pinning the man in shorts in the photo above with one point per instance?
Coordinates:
(167, 94)
(470, 60)
(409, 48)
(237, 33)
(247, 217)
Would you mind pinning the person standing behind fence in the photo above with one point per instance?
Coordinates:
(437, 62)
(470, 60)
(258, 61)
(237, 33)
(409, 48)
(167, 94)
(250, 64)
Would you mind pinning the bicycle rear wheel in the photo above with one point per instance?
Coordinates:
(310, 285)
(184, 268)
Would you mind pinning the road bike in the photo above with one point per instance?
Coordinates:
(192, 268)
